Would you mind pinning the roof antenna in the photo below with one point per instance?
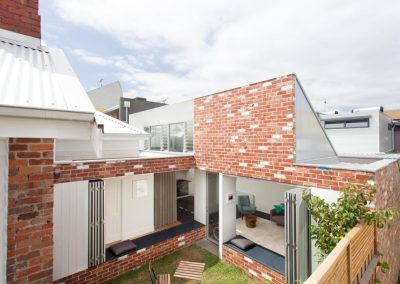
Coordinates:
(101, 82)
(325, 105)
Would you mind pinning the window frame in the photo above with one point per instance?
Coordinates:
(345, 122)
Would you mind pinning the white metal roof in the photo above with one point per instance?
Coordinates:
(39, 79)
(107, 96)
(114, 126)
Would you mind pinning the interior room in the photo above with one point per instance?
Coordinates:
(185, 196)
(264, 200)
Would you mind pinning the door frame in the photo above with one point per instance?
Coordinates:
(208, 208)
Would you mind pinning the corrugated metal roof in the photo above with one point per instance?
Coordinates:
(39, 78)
(114, 126)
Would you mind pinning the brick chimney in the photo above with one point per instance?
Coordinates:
(20, 16)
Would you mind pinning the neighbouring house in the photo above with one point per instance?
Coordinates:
(85, 197)
(363, 131)
(394, 114)
(110, 100)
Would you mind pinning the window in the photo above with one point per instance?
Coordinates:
(334, 124)
(353, 123)
(176, 137)
(155, 138)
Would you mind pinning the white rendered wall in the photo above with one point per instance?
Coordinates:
(3, 207)
(129, 213)
(227, 210)
(266, 193)
(179, 112)
(386, 142)
(70, 229)
(200, 196)
(357, 140)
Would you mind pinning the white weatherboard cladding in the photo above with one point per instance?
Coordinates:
(129, 207)
(311, 140)
(70, 231)
(40, 79)
(3, 207)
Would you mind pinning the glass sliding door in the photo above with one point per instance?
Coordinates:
(213, 207)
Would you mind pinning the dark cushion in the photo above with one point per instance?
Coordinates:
(122, 247)
(243, 244)
(279, 208)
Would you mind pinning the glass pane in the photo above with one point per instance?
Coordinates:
(176, 137)
(155, 137)
(212, 207)
(334, 124)
(357, 123)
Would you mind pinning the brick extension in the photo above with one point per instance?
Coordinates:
(251, 267)
(388, 196)
(30, 210)
(20, 16)
(250, 132)
(111, 269)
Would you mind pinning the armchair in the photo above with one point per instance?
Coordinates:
(244, 205)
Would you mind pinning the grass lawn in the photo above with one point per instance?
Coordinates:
(215, 270)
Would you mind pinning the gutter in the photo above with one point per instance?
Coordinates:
(43, 113)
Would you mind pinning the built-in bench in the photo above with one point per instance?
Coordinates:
(157, 237)
(263, 256)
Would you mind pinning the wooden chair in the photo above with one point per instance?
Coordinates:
(158, 279)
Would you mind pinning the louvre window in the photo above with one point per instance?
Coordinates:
(175, 137)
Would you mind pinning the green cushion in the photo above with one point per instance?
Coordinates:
(278, 208)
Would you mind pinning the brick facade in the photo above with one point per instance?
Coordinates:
(388, 196)
(111, 269)
(98, 170)
(20, 16)
(30, 210)
(249, 132)
(251, 267)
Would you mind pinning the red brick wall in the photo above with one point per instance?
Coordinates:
(21, 16)
(251, 267)
(249, 131)
(97, 170)
(117, 267)
(388, 196)
(30, 210)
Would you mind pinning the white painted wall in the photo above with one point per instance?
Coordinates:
(386, 142)
(227, 210)
(200, 196)
(128, 214)
(3, 207)
(266, 193)
(374, 139)
(70, 231)
(179, 112)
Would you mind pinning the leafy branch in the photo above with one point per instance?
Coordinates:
(336, 219)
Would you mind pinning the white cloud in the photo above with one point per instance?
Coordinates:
(344, 51)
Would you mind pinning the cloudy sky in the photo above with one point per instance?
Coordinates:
(347, 52)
